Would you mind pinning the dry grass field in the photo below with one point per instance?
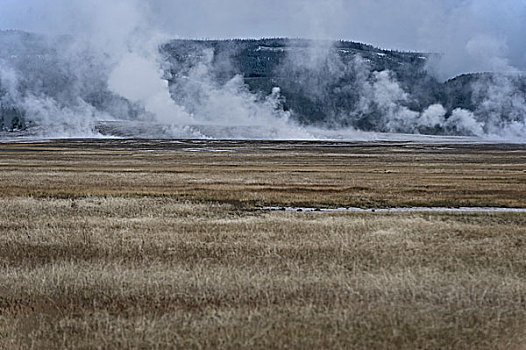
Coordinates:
(148, 244)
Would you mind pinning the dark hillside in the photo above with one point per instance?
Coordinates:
(332, 84)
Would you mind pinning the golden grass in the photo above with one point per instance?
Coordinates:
(147, 260)
(254, 174)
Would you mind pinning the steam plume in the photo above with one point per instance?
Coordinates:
(113, 46)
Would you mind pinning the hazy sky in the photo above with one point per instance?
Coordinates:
(472, 34)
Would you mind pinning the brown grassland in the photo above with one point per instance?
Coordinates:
(157, 244)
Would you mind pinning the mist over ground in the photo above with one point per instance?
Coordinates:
(93, 61)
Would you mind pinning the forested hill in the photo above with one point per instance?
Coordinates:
(320, 81)
(333, 84)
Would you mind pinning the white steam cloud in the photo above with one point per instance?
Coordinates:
(122, 37)
(138, 79)
(118, 41)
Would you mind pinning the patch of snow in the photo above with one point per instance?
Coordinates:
(271, 49)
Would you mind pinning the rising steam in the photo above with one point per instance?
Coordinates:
(107, 57)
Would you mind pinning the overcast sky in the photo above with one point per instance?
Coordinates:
(472, 34)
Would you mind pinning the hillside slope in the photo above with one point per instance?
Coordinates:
(329, 84)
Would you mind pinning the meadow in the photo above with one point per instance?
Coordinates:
(160, 244)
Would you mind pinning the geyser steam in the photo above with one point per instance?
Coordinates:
(139, 79)
(120, 43)
(100, 61)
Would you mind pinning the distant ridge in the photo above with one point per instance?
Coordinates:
(321, 83)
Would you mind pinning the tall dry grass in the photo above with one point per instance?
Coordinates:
(150, 244)
(113, 272)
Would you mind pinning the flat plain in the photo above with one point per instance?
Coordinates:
(160, 244)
